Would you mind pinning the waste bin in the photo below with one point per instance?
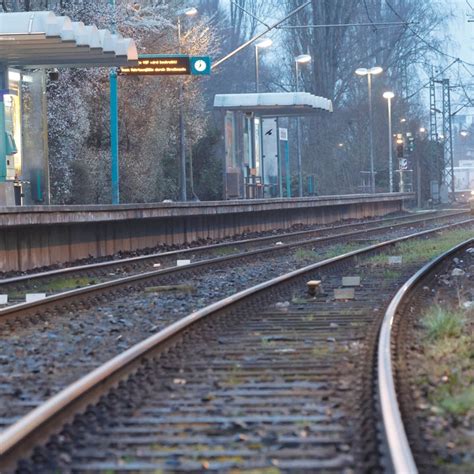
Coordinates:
(18, 191)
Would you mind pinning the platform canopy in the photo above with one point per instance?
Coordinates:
(43, 39)
(274, 104)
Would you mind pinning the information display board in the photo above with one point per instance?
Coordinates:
(168, 65)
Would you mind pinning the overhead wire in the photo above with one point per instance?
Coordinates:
(369, 17)
(434, 77)
(462, 86)
(415, 33)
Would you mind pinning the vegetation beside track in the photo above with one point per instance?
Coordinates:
(441, 360)
(419, 250)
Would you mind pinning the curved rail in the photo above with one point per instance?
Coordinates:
(401, 457)
(26, 427)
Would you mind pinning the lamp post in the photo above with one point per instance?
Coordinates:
(264, 43)
(189, 12)
(301, 59)
(389, 96)
(369, 73)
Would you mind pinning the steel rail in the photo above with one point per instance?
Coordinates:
(239, 243)
(31, 423)
(401, 457)
(17, 309)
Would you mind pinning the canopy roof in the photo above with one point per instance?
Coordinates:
(274, 104)
(42, 39)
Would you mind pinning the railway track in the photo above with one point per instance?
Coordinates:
(409, 447)
(58, 281)
(270, 378)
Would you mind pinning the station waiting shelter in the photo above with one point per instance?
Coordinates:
(256, 161)
(30, 44)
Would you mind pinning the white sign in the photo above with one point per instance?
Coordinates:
(33, 297)
(270, 151)
(284, 134)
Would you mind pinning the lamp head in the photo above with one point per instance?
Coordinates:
(375, 70)
(362, 71)
(303, 59)
(388, 95)
(191, 11)
(264, 43)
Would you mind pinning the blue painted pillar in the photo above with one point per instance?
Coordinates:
(114, 138)
(114, 130)
(3, 142)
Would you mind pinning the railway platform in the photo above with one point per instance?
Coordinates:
(37, 236)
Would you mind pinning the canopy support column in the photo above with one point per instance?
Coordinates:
(3, 145)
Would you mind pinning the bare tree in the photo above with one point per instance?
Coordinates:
(337, 51)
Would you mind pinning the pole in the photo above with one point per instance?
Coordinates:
(3, 144)
(371, 136)
(183, 195)
(298, 140)
(288, 172)
(114, 138)
(390, 146)
(280, 166)
(256, 71)
(418, 182)
(191, 172)
(114, 129)
(182, 146)
(297, 77)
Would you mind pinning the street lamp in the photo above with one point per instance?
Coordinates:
(189, 12)
(389, 96)
(301, 59)
(369, 73)
(264, 43)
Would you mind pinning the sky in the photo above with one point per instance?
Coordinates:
(462, 35)
(462, 32)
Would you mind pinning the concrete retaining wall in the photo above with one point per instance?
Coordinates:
(37, 236)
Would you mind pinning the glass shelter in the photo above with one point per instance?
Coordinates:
(31, 42)
(256, 145)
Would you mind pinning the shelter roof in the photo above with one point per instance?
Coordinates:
(274, 104)
(43, 39)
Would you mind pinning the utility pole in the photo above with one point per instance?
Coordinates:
(434, 131)
(448, 164)
(446, 174)
(405, 87)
